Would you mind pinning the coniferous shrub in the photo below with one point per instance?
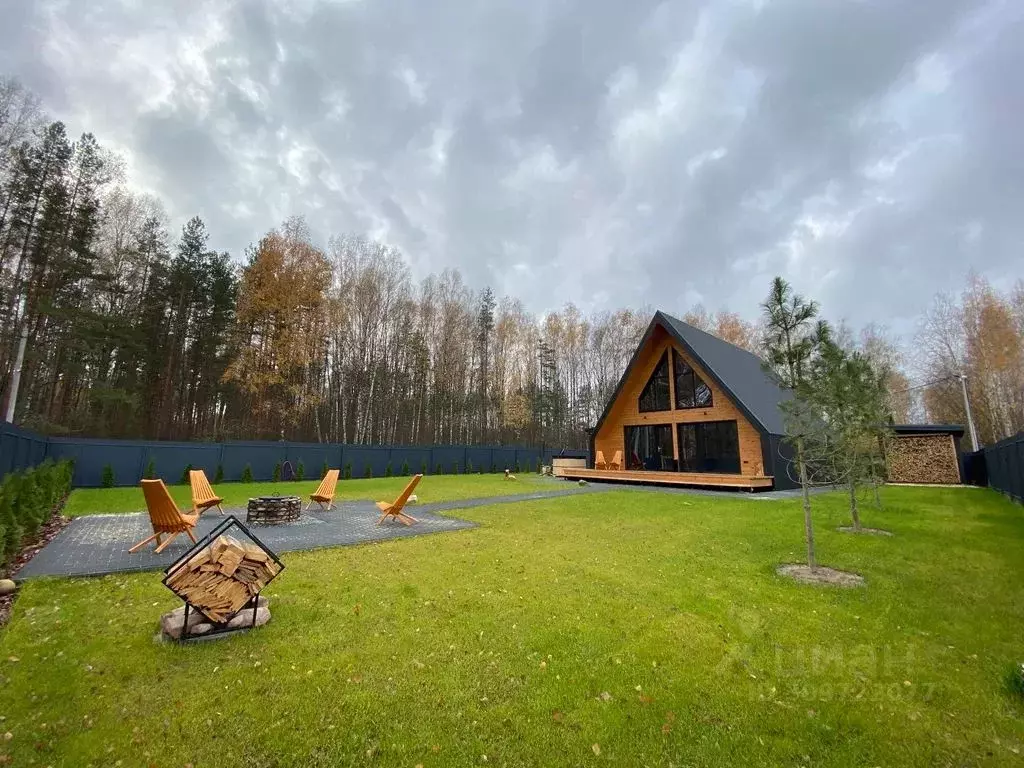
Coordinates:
(348, 471)
(388, 472)
(438, 470)
(423, 467)
(455, 467)
(247, 474)
(107, 480)
(324, 470)
(368, 472)
(469, 466)
(185, 479)
(219, 476)
(27, 504)
(8, 517)
(405, 469)
(518, 468)
(150, 473)
(277, 473)
(494, 468)
(300, 471)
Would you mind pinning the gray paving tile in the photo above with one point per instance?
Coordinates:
(98, 544)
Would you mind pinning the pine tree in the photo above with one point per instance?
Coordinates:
(219, 476)
(300, 471)
(150, 473)
(791, 343)
(247, 474)
(108, 476)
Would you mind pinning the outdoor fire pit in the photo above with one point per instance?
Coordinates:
(271, 510)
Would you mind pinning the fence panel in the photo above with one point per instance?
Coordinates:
(1004, 463)
(171, 459)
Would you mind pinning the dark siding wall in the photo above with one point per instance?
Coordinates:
(778, 462)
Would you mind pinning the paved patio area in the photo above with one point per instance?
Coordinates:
(98, 544)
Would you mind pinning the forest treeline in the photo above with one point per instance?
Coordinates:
(137, 332)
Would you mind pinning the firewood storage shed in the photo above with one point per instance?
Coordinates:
(926, 454)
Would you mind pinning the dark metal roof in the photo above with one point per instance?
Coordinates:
(740, 374)
(927, 429)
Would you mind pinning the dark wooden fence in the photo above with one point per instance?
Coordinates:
(129, 459)
(1000, 466)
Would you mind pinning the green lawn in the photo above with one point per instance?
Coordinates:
(622, 628)
(91, 501)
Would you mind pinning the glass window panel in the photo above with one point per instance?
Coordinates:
(691, 391)
(649, 448)
(709, 446)
(655, 396)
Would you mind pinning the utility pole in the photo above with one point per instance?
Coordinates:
(967, 408)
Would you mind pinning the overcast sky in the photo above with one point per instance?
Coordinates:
(604, 152)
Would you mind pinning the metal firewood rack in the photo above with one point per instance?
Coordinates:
(253, 603)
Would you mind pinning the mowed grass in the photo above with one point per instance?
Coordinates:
(621, 628)
(92, 501)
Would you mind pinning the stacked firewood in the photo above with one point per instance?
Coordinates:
(222, 577)
(922, 459)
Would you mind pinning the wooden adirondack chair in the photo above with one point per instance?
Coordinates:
(164, 516)
(325, 493)
(599, 462)
(203, 496)
(616, 461)
(394, 509)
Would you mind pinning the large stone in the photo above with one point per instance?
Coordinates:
(7, 586)
(173, 623)
(243, 619)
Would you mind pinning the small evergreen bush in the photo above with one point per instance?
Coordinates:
(12, 532)
(247, 474)
(494, 468)
(469, 466)
(219, 475)
(455, 467)
(277, 473)
(108, 476)
(388, 472)
(517, 469)
(423, 467)
(438, 470)
(368, 472)
(348, 471)
(300, 471)
(184, 474)
(150, 473)
(405, 469)
(324, 470)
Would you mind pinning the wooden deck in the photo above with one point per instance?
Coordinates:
(706, 479)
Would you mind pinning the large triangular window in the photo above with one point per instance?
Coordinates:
(655, 396)
(691, 391)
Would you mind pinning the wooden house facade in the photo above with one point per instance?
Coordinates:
(691, 409)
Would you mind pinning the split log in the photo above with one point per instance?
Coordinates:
(922, 459)
(222, 577)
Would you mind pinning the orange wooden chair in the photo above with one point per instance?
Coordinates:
(325, 493)
(616, 462)
(599, 462)
(203, 496)
(164, 516)
(394, 509)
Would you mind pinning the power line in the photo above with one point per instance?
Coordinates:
(928, 384)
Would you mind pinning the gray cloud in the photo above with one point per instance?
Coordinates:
(599, 152)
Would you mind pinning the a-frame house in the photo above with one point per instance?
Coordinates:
(691, 409)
